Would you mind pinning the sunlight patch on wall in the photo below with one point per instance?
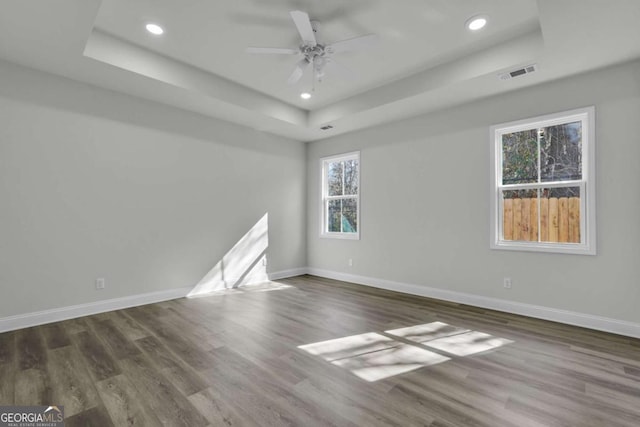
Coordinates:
(243, 264)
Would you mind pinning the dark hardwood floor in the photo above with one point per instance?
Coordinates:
(307, 351)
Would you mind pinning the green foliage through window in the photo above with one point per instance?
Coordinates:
(542, 173)
(547, 154)
(341, 194)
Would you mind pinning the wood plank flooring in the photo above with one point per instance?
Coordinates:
(307, 351)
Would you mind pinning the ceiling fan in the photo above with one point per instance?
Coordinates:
(315, 54)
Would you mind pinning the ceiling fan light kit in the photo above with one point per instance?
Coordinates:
(312, 52)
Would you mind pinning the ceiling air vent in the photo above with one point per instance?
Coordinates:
(327, 127)
(519, 72)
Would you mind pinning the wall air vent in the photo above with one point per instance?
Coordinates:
(518, 72)
(326, 127)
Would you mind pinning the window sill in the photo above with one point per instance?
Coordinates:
(340, 236)
(556, 248)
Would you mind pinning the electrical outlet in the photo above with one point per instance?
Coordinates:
(350, 262)
(264, 261)
(507, 282)
(100, 283)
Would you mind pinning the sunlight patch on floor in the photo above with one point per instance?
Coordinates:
(247, 289)
(373, 356)
(265, 287)
(468, 343)
(390, 362)
(349, 346)
(426, 332)
(450, 339)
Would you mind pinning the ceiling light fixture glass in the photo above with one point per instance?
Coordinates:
(476, 23)
(305, 95)
(155, 29)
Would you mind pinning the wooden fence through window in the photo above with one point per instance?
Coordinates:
(559, 219)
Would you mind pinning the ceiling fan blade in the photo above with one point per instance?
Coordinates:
(341, 70)
(301, 19)
(275, 50)
(298, 71)
(356, 43)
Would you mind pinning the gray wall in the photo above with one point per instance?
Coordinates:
(97, 184)
(425, 201)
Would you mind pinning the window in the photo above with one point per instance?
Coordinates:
(340, 196)
(543, 184)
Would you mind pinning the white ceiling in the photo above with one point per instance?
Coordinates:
(426, 59)
(213, 36)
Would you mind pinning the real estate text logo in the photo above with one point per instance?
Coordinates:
(31, 416)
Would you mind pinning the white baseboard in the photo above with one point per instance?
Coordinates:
(212, 287)
(605, 324)
(71, 312)
(64, 313)
(563, 316)
(288, 273)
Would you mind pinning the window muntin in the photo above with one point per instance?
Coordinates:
(543, 184)
(340, 196)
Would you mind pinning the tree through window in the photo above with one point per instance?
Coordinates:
(543, 184)
(340, 195)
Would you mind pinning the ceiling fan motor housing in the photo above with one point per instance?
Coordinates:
(312, 52)
(315, 54)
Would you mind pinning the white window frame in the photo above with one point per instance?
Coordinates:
(324, 210)
(587, 184)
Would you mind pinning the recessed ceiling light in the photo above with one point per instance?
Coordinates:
(476, 23)
(155, 29)
(305, 95)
